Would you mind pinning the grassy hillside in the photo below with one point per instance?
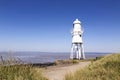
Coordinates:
(18, 71)
(106, 68)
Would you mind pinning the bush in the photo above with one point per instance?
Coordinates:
(61, 62)
(100, 57)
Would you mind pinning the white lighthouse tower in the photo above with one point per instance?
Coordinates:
(77, 50)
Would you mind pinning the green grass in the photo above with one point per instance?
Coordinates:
(105, 68)
(12, 71)
(65, 62)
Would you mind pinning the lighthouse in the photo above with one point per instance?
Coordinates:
(77, 51)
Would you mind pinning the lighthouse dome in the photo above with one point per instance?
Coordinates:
(76, 22)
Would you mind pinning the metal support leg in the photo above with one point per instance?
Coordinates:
(77, 53)
(79, 49)
(72, 49)
(83, 51)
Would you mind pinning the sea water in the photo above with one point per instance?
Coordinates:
(43, 57)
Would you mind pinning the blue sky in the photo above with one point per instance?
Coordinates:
(44, 25)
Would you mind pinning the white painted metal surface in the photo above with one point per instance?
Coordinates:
(77, 50)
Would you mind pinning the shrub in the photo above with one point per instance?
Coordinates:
(61, 62)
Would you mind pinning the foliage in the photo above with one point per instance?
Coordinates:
(12, 70)
(62, 62)
(106, 68)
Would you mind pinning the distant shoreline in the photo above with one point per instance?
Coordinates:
(43, 58)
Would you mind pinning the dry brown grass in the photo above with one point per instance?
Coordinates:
(15, 70)
(106, 68)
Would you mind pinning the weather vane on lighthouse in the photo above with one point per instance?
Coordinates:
(77, 50)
